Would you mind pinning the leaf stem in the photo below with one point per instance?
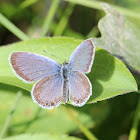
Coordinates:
(134, 129)
(49, 17)
(85, 131)
(9, 118)
(11, 27)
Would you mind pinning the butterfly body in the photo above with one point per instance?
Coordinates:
(56, 83)
(65, 70)
(65, 73)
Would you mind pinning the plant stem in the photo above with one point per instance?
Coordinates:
(134, 129)
(64, 20)
(9, 118)
(97, 5)
(49, 17)
(11, 27)
(85, 131)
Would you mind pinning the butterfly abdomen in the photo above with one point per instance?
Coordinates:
(65, 74)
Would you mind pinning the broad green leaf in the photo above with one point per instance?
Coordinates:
(120, 37)
(41, 137)
(109, 76)
(28, 117)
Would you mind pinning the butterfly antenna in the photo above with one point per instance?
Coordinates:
(53, 56)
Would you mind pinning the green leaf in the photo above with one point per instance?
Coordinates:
(109, 76)
(28, 117)
(41, 137)
(120, 37)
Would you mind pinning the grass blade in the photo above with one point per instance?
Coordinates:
(11, 27)
(85, 131)
(7, 123)
(49, 17)
(64, 20)
(27, 3)
(134, 129)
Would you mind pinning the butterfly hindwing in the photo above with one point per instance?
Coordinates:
(48, 92)
(80, 88)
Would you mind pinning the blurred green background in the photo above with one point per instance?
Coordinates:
(110, 119)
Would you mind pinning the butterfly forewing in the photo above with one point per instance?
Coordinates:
(82, 57)
(80, 88)
(48, 92)
(31, 67)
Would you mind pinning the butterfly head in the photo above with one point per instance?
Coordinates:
(65, 63)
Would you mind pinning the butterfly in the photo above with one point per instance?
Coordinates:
(56, 83)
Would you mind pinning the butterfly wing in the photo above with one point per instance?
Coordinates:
(82, 57)
(30, 67)
(80, 88)
(48, 92)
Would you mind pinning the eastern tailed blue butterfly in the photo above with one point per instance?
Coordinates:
(53, 80)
